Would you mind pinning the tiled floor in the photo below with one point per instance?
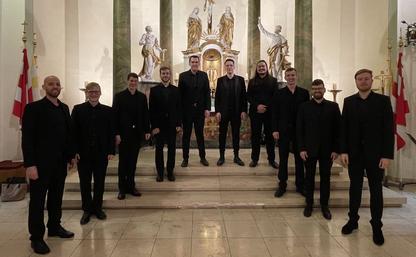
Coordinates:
(215, 233)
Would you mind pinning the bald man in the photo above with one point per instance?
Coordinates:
(47, 154)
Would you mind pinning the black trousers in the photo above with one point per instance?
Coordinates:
(198, 121)
(52, 184)
(235, 121)
(128, 153)
(375, 177)
(258, 122)
(285, 142)
(325, 164)
(88, 168)
(165, 136)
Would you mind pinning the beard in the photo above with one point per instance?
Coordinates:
(53, 93)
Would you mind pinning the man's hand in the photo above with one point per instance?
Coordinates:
(32, 173)
(261, 108)
(147, 136)
(276, 135)
(178, 129)
(344, 159)
(304, 155)
(110, 157)
(243, 116)
(207, 113)
(118, 140)
(384, 163)
(218, 117)
(155, 131)
(334, 156)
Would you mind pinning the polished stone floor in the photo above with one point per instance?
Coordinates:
(215, 232)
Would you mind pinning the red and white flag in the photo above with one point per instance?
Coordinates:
(24, 93)
(400, 105)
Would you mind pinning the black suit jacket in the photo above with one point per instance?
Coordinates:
(260, 91)
(104, 124)
(198, 97)
(123, 121)
(284, 113)
(374, 138)
(318, 128)
(164, 113)
(39, 142)
(222, 92)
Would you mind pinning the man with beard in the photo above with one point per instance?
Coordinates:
(196, 105)
(47, 154)
(230, 107)
(165, 117)
(367, 143)
(260, 95)
(131, 127)
(286, 102)
(93, 130)
(317, 128)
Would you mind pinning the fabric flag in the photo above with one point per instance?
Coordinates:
(24, 91)
(400, 105)
(34, 79)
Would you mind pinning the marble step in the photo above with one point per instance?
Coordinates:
(225, 199)
(209, 183)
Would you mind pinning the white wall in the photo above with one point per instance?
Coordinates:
(12, 14)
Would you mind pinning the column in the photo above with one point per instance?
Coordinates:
(253, 40)
(166, 30)
(303, 42)
(121, 44)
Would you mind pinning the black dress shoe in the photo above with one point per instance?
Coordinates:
(184, 163)
(307, 212)
(349, 227)
(171, 177)
(121, 196)
(40, 247)
(135, 192)
(159, 178)
(60, 232)
(274, 164)
(253, 164)
(204, 162)
(220, 161)
(238, 161)
(378, 237)
(280, 192)
(100, 214)
(326, 213)
(85, 218)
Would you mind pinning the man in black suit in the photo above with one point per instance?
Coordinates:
(196, 105)
(230, 107)
(93, 130)
(131, 127)
(317, 128)
(260, 92)
(286, 103)
(367, 143)
(165, 117)
(47, 154)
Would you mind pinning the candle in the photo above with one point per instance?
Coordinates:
(334, 86)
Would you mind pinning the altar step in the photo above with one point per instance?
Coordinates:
(225, 199)
(209, 183)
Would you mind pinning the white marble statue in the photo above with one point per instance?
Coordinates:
(277, 52)
(151, 60)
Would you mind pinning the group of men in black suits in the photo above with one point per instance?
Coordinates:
(313, 129)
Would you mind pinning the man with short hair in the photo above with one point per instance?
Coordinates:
(131, 128)
(286, 102)
(165, 117)
(93, 130)
(196, 105)
(47, 154)
(230, 107)
(317, 127)
(367, 143)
